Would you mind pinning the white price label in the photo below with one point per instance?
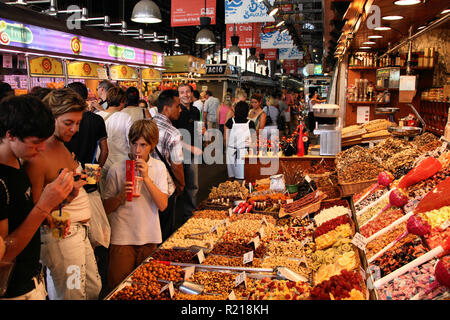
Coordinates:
(375, 271)
(201, 256)
(289, 201)
(189, 272)
(241, 278)
(214, 229)
(232, 296)
(360, 241)
(308, 179)
(248, 257)
(230, 212)
(256, 242)
(362, 272)
(264, 221)
(261, 232)
(445, 225)
(169, 287)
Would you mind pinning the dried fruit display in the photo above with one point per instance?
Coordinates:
(328, 239)
(331, 225)
(347, 285)
(210, 214)
(359, 171)
(404, 158)
(394, 259)
(293, 233)
(298, 265)
(183, 256)
(228, 190)
(294, 222)
(363, 216)
(329, 214)
(330, 255)
(389, 147)
(437, 217)
(381, 221)
(346, 261)
(424, 139)
(371, 198)
(231, 261)
(268, 289)
(345, 159)
(296, 249)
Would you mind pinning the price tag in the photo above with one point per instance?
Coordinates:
(232, 296)
(375, 271)
(289, 201)
(264, 221)
(248, 257)
(445, 225)
(214, 229)
(188, 272)
(360, 241)
(302, 262)
(241, 278)
(256, 242)
(201, 256)
(308, 179)
(230, 212)
(362, 272)
(169, 287)
(261, 232)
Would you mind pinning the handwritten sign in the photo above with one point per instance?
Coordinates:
(360, 241)
(248, 257)
(241, 278)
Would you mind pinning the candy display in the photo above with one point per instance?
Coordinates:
(394, 259)
(412, 283)
(402, 216)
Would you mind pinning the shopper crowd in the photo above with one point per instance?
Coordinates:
(48, 136)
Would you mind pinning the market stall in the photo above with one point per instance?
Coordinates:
(125, 76)
(89, 73)
(394, 71)
(262, 241)
(150, 81)
(182, 69)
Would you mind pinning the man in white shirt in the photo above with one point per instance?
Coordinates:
(196, 101)
(210, 112)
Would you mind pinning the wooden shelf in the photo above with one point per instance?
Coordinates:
(367, 103)
(362, 68)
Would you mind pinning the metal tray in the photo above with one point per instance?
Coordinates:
(405, 131)
(386, 110)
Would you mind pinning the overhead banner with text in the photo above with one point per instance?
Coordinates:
(290, 66)
(270, 54)
(246, 11)
(249, 35)
(276, 40)
(292, 53)
(187, 13)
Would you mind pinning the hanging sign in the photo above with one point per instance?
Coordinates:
(290, 66)
(15, 34)
(151, 74)
(270, 54)
(249, 35)
(83, 70)
(46, 67)
(246, 11)
(123, 72)
(276, 40)
(290, 53)
(188, 13)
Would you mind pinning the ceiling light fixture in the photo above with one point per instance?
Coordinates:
(375, 37)
(146, 11)
(392, 18)
(261, 62)
(279, 24)
(369, 42)
(252, 58)
(205, 36)
(407, 2)
(365, 47)
(273, 11)
(445, 11)
(382, 28)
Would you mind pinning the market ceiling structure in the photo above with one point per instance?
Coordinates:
(304, 20)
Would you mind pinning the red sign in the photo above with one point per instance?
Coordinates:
(290, 66)
(249, 35)
(270, 54)
(187, 13)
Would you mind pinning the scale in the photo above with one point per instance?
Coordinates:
(328, 128)
(409, 131)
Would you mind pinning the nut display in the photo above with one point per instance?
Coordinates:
(269, 289)
(298, 265)
(228, 190)
(231, 261)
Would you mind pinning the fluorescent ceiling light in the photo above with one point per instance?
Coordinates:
(392, 18)
(365, 47)
(273, 11)
(375, 37)
(445, 11)
(382, 28)
(369, 42)
(407, 2)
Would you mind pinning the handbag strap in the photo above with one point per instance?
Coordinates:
(163, 159)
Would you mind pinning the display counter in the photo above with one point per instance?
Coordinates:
(260, 167)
